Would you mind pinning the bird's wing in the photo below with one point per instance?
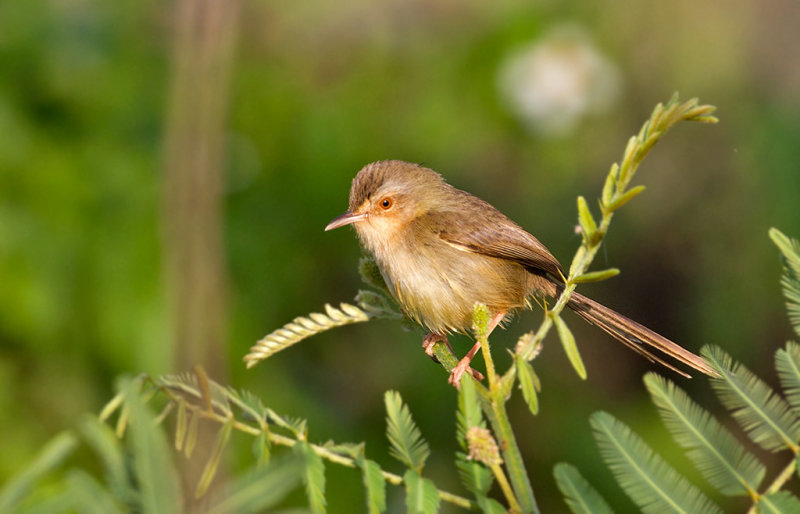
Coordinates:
(494, 234)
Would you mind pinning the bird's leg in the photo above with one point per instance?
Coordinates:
(463, 364)
(431, 339)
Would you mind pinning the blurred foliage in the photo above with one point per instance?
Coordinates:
(321, 89)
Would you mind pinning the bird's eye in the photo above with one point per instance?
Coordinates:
(386, 203)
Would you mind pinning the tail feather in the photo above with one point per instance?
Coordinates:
(636, 336)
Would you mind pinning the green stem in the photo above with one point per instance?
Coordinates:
(513, 504)
(494, 407)
(212, 415)
(662, 119)
(498, 418)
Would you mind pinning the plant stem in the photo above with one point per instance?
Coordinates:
(493, 404)
(497, 469)
(498, 418)
(202, 411)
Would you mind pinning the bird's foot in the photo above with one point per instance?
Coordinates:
(462, 367)
(430, 340)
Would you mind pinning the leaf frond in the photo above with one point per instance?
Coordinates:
(579, 495)
(790, 255)
(421, 494)
(761, 412)
(407, 444)
(652, 484)
(787, 362)
(303, 327)
(712, 448)
(313, 476)
(261, 487)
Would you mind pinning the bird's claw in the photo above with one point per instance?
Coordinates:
(462, 367)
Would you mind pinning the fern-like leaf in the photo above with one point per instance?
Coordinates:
(579, 495)
(474, 475)
(375, 485)
(469, 412)
(303, 327)
(261, 487)
(650, 482)
(790, 252)
(313, 476)
(421, 494)
(762, 413)
(712, 448)
(779, 502)
(787, 362)
(407, 444)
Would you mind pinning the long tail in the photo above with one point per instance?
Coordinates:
(635, 336)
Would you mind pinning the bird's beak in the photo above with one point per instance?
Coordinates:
(345, 219)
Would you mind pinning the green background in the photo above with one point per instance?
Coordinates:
(318, 89)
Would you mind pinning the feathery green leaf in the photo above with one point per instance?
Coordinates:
(787, 362)
(579, 495)
(712, 448)
(790, 253)
(54, 452)
(297, 426)
(421, 494)
(313, 476)
(780, 502)
(261, 449)
(261, 487)
(407, 444)
(375, 485)
(469, 412)
(762, 413)
(650, 482)
(302, 328)
(476, 477)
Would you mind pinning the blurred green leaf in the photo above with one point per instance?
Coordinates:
(50, 457)
(313, 476)
(152, 464)
(780, 502)
(210, 469)
(579, 495)
(375, 485)
(261, 487)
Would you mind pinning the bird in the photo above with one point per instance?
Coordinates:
(440, 250)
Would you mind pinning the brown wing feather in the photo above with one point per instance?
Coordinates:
(494, 234)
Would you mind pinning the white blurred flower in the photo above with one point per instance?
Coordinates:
(554, 81)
